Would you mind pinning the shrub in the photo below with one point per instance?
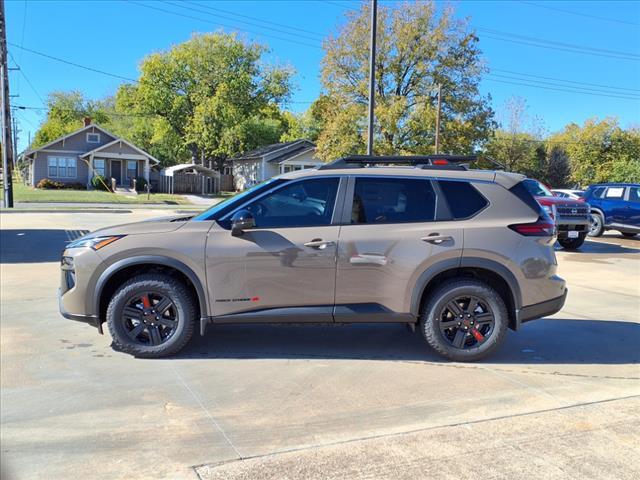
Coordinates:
(48, 184)
(75, 186)
(100, 182)
(141, 184)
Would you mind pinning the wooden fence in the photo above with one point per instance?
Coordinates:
(189, 183)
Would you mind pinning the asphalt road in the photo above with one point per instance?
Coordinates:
(560, 400)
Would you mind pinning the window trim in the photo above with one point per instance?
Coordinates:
(93, 133)
(66, 167)
(338, 205)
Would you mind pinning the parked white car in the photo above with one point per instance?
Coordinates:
(568, 193)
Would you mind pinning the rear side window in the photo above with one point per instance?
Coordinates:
(392, 200)
(597, 192)
(634, 194)
(521, 191)
(463, 199)
(615, 192)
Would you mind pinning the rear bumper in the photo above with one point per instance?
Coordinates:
(539, 310)
(89, 319)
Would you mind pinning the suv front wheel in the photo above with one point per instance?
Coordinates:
(151, 316)
(464, 320)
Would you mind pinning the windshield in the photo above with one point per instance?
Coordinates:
(536, 188)
(228, 204)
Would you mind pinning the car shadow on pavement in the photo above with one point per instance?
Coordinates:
(35, 246)
(561, 341)
(606, 248)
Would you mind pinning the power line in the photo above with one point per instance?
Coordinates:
(68, 62)
(171, 12)
(27, 79)
(290, 27)
(580, 14)
(535, 85)
(553, 45)
(566, 81)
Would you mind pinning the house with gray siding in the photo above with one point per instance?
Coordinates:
(270, 160)
(89, 151)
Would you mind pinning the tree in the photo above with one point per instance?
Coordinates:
(298, 126)
(417, 49)
(64, 115)
(558, 169)
(600, 151)
(214, 94)
(518, 144)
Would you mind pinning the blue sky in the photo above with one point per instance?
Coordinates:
(595, 46)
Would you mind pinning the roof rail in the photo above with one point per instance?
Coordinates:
(444, 161)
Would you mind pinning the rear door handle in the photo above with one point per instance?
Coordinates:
(319, 244)
(437, 239)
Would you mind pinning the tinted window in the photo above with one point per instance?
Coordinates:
(634, 194)
(536, 189)
(597, 192)
(393, 200)
(463, 199)
(522, 192)
(301, 204)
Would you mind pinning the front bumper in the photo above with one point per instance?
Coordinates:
(542, 309)
(566, 225)
(90, 319)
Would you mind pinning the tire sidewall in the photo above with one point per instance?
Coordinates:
(431, 323)
(139, 286)
(599, 225)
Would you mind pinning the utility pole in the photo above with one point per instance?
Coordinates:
(5, 118)
(438, 119)
(372, 74)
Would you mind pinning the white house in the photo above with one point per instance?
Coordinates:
(265, 162)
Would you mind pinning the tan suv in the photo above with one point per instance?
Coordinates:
(464, 254)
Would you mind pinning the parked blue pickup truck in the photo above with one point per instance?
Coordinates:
(614, 206)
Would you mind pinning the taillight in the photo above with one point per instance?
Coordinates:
(543, 227)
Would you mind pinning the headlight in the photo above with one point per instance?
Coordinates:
(96, 242)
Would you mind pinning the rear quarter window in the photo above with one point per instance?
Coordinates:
(463, 199)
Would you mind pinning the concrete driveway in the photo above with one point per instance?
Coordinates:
(364, 401)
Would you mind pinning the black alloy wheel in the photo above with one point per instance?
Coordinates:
(466, 322)
(150, 318)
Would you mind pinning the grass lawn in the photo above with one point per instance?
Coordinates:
(24, 193)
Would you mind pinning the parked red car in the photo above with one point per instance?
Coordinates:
(572, 217)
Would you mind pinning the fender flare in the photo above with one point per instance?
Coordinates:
(464, 262)
(150, 259)
(600, 212)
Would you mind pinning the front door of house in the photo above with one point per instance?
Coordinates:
(116, 171)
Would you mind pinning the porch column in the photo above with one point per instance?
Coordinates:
(91, 170)
(146, 169)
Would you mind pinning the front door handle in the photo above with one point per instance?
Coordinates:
(319, 244)
(437, 239)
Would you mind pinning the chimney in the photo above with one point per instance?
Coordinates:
(87, 121)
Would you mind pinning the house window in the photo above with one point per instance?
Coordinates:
(93, 138)
(132, 169)
(99, 167)
(62, 167)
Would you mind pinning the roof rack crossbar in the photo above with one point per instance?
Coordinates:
(359, 161)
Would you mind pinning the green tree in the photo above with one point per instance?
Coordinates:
(65, 111)
(600, 151)
(417, 49)
(558, 169)
(215, 94)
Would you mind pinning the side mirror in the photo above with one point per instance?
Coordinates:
(240, 221)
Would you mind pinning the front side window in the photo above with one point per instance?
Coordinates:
(99, 167)
(61, 167)
(301, 204)
(132, 169)
(463, 199)
(392, 200)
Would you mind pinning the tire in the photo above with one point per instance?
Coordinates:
(572, 243)
(629, 234)
(597, 225)
(158, 334)
(431, 320)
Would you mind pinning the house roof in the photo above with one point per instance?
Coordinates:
(120, 140)
(278, 152)
(75, 132)
(169, 171)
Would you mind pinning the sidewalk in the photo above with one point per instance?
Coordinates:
(57, 206)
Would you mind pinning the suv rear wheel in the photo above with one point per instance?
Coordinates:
(151, 316)
(464, 320)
